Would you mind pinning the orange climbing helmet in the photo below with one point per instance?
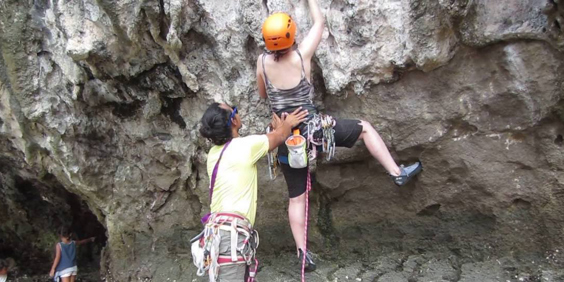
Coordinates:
(279, 32)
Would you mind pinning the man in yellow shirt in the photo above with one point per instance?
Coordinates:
(231, 166)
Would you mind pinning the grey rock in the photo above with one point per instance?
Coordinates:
(393, 277)
(484, 271)
(100, 100)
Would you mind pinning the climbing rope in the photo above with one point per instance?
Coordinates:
(308, 188)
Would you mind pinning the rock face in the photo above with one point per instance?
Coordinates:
(100, 102)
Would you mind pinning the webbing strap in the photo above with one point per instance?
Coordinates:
(240, 229)
(234, 239)
(283, 159)
(214, 174)
(226, 260)
(206, 217)
(253, 272)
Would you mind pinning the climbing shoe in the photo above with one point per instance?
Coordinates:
(309, 264)
(407, 173)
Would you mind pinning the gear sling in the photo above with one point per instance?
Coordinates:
(205, 246)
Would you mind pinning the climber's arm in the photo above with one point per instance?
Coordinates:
(311, 41)
(260, 80)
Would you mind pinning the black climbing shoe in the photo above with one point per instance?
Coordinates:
(407, 173)
(309, 264)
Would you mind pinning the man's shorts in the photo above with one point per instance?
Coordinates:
(233, 272)
(347, 132)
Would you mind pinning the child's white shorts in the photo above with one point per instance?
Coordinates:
(68, 272)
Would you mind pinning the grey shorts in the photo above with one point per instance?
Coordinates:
(234, 272)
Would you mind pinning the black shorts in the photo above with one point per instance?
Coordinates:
(347, 132)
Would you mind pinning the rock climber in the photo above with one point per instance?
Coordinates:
(284, 78)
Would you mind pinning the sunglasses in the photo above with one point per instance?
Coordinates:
(233, 113)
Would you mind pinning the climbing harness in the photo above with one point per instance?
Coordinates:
(205, 249)
(205, 246)
(320, 136)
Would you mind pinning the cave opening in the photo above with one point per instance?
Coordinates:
(34, 210)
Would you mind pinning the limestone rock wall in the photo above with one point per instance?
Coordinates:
(105, 96)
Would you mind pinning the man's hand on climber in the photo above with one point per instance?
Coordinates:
(296, 117)
(293, 119)
(276, 121)
(282, 127)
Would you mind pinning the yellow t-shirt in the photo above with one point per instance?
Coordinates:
(236, 182)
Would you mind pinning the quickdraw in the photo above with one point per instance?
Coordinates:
(321, 123)
(328, 124)
(272, 160)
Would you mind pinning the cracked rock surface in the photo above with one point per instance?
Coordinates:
(100, 102)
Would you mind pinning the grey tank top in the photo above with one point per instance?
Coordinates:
(287, 100)
(68, 256)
